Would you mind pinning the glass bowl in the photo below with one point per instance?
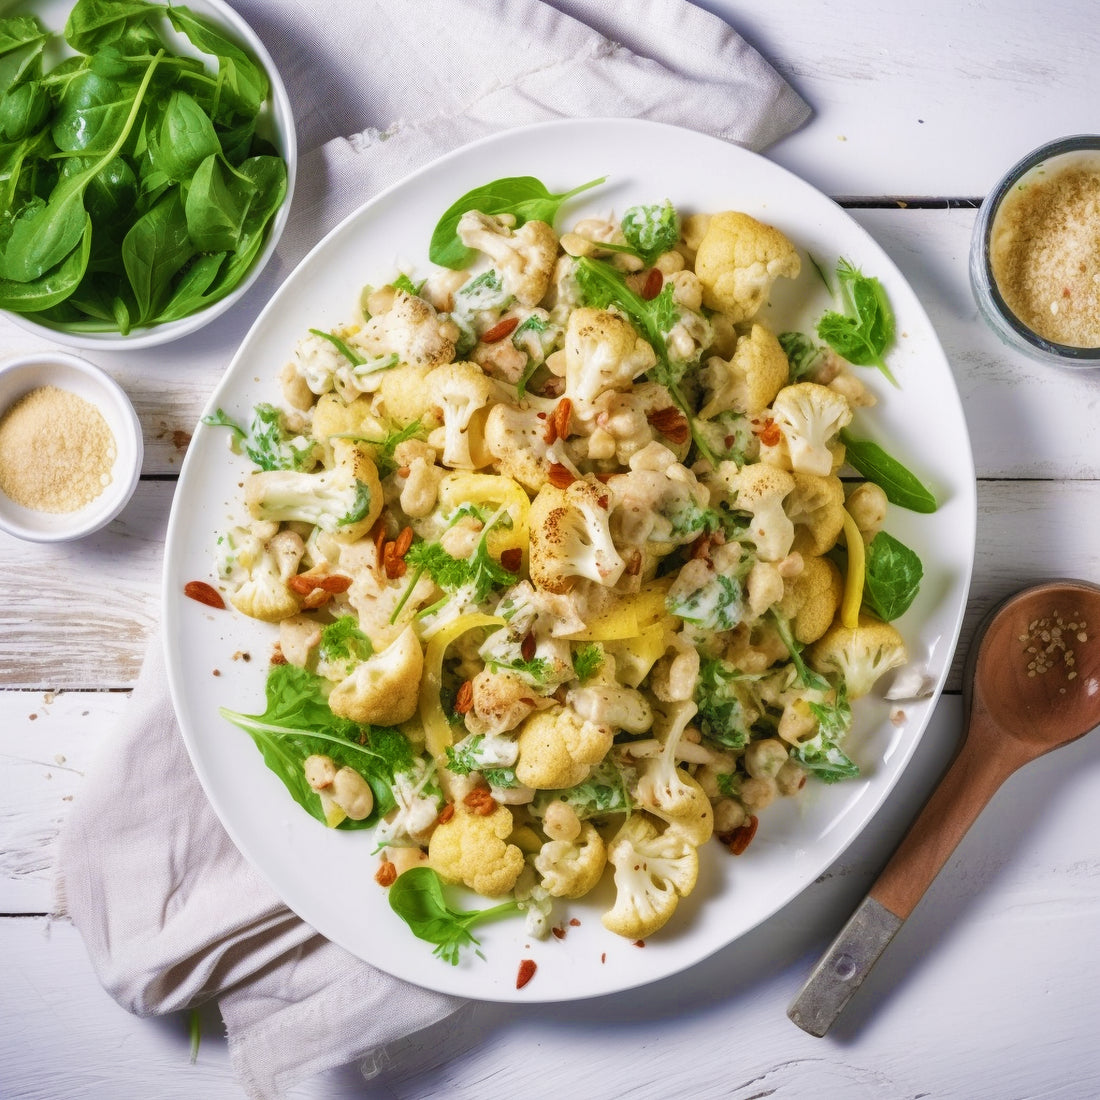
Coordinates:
(64, 371)
(1049, 265)
(275, 124)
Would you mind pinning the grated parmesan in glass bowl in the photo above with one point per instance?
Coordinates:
(1035, 254)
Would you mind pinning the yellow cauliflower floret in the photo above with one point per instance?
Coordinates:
(816, 507)
(750, 379)
(558, 748)
(384, 689)
(571, 868)
(473, 849)
(262, 572)
(811, 599)
(738, 260)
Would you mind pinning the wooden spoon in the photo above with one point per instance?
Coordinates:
(1032, 684)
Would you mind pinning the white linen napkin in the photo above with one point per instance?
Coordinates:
(171, 913)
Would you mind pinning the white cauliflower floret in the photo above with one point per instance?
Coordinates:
(261, 572)
(861, 654)
(473, 849)
(464, 392)
(412, 330)
(761, 490)
(558, 748)
(738, 260)
(750, 379)
(384, 689)
(809, 418)
(343, 500)
(572, 868)
(602, 352)
(500, 702)
(666, 790)
(653, 871)
(612, 704)
(516, 439)
(658, 500)
(570, 537)
(524, 257)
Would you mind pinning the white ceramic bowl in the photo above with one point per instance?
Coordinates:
(276, 124)
(19, 377)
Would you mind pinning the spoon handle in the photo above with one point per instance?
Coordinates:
(974, 776)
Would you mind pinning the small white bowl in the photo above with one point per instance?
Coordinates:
(19, 377)
(275, 123)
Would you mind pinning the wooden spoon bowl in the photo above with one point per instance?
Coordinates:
(1032, 684)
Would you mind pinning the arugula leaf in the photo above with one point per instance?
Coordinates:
(605, 791)
(417, 898)
(806, 675)
(864, 331)
(269, 445)
(298, 723)
(901, 487)
(524, 197)
(722, 717)
(893, 573)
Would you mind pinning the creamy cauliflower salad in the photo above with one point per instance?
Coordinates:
(565, 581)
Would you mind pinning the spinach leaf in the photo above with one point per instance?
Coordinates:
(91, 113)
(893, 576)
(417, 898)
(154, 251)
(51, 287)
(524, 197)
(901, 486)
(217, 204)
(186, 138)
(864, 331)
(298, 723)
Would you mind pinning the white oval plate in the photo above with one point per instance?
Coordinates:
(326, 876)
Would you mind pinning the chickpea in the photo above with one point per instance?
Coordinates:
(729, 814)
(404, 858)
(352, 793)
(560, 822)
(764, 759)
(758, 793)
(320, 771)
(790, 778)
(797, 721)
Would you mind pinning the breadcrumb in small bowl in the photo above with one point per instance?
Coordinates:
(70, 447)
(1035, 254)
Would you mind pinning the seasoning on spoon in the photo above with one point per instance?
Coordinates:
(1044, 249)
(56, 451)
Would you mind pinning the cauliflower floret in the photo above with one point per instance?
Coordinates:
(761, 490)
(658, 500)
(811, 599)
(666, 790)
(571, 868)
(809, 418)
(570, 537)
(749, 381)
(333, 417)
(500, 702)
(524, 257)
(412, 330)
(602, 352)
(816, 507)
(267, 566)
(343, 500)
(464, 392)
(738, 260)
(418, 476)
(653, 871)
(516, 439)
(473, 849)
(384, 689)
(558, 748)
(612, 704)
(861, 654)
(299, 637)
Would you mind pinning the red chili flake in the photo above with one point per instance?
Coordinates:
(512, 559)
(527, 970)
(502, 328)
(770, 434)
(653, 283)
(559, 476)
(204, 594)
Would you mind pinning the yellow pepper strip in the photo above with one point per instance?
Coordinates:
(437, 730)
(462, 488)
(629, 616)
(853, 581)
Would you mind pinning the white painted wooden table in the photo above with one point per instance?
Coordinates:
(990, 989)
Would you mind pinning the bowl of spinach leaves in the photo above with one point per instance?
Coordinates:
(147, 160)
